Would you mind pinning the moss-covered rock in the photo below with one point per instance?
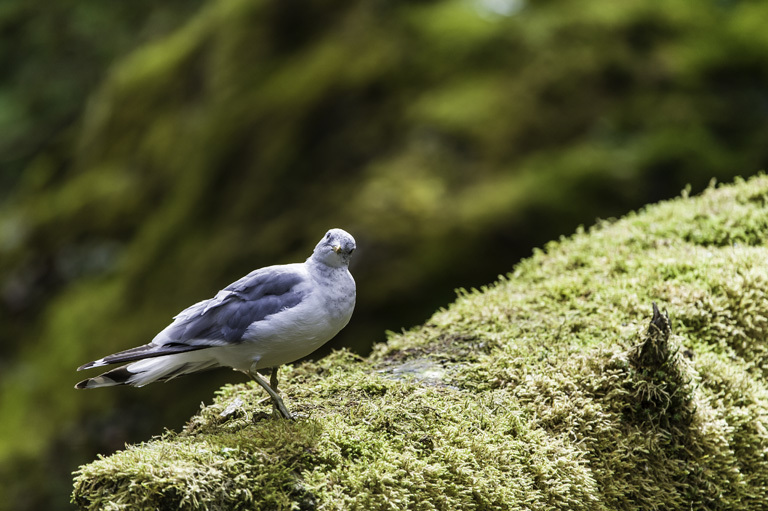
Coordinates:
(558, 387)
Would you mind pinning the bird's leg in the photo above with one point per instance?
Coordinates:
(273, 379)
(277, 402)
(273, 383)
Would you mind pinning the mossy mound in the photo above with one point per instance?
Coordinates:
(547, 390)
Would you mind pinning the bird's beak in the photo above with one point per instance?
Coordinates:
(337, 248)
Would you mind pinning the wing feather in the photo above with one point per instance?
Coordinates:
(224, 318)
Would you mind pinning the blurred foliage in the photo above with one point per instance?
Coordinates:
(449, 137)
(52, 55)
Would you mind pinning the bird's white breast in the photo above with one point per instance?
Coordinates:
(296, 332)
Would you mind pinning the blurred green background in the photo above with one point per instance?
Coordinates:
(153, 152)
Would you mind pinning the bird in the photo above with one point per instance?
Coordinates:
(273, 316)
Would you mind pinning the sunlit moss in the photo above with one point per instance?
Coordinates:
(249, 467)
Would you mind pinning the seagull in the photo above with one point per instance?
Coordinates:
(272, 316)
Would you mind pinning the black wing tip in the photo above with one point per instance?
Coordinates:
(82, 384)
(141, 353)
(96, 363)
(86, 366)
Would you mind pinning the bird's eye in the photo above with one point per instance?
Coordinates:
(327, 235)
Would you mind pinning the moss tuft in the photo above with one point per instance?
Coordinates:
(662, 386)
(236, 469)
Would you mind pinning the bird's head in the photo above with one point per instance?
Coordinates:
(335, 248)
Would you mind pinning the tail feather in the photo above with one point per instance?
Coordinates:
(119, 376)
(141, 353)
(148, 371)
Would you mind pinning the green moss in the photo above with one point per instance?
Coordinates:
(250, 466)
(547, 390)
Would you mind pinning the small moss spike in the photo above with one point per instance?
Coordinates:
(653, 352)
(663, 386)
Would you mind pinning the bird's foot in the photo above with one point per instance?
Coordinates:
(278, 407)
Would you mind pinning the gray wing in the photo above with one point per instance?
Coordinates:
(224, 318)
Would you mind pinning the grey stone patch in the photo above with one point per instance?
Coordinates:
(232, 407)
(421, 369)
